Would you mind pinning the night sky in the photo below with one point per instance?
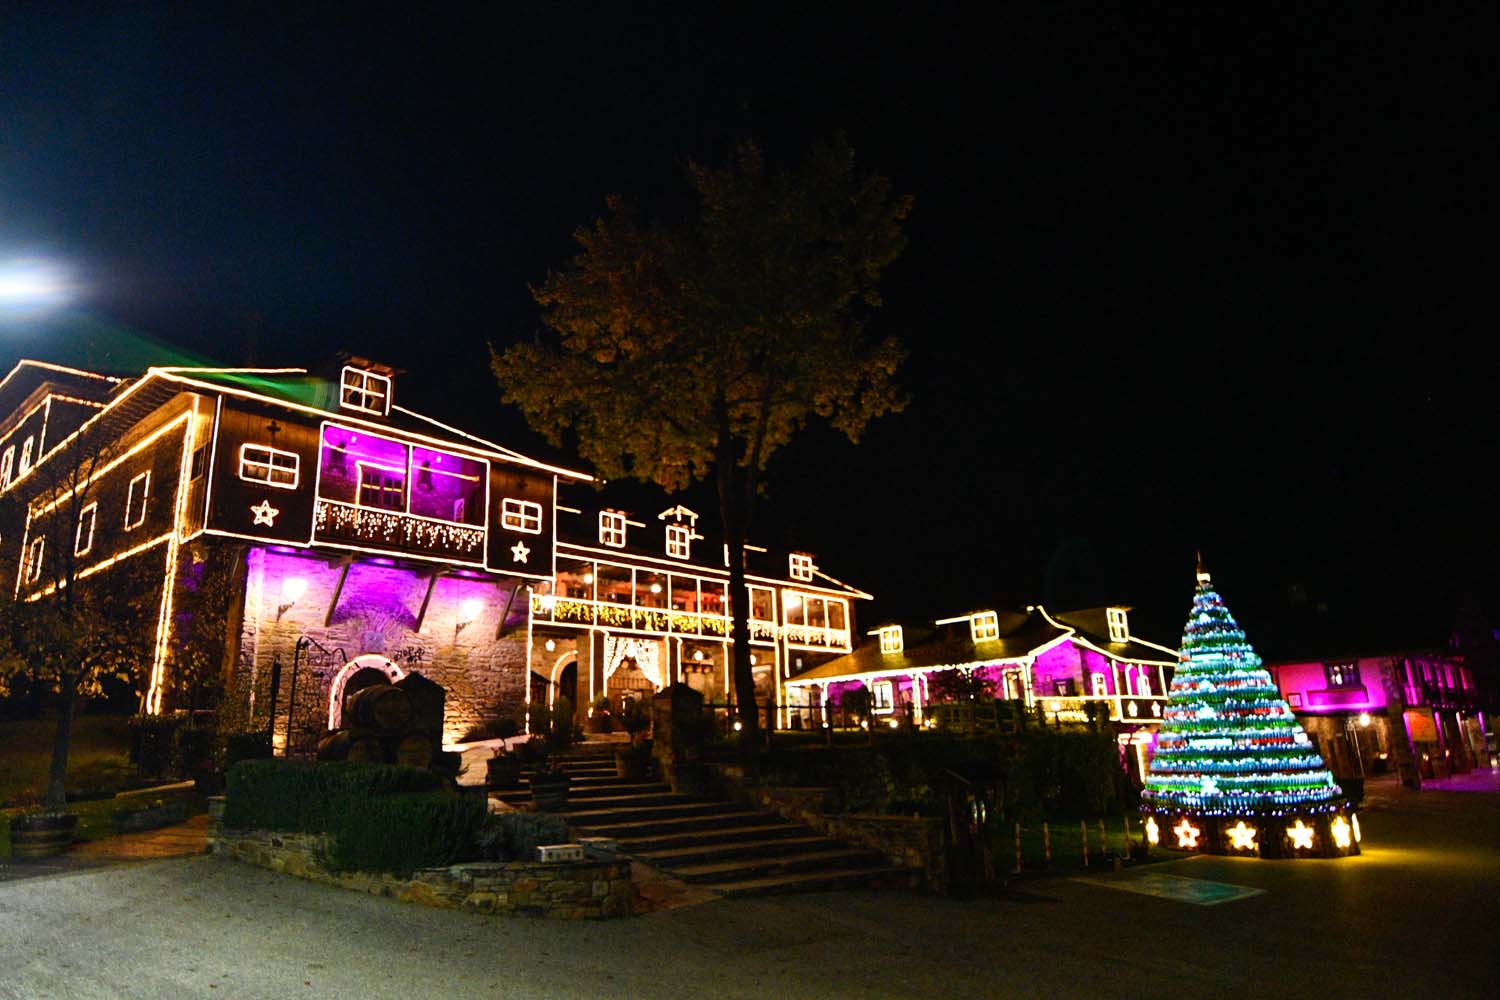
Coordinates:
(1175, 280)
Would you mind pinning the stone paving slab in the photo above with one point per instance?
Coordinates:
(175, 841)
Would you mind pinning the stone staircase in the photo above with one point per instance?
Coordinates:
(731, 850)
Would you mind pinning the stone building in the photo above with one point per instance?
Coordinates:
(353, 540)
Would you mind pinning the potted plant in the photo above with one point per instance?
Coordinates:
(503, 769)
(37, 831)
(634, 761)
(601, 720)
(549, 787)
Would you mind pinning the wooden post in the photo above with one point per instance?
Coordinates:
(1046, 847)
(1103, 840)
(1083, 833)
(1125, 821)
(1017, 869)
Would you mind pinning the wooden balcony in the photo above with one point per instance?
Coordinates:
(368, 527)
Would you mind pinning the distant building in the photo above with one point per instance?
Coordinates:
(1061, 664)
(1416, 714)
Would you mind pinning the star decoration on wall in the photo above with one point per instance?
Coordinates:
(265, 514)
(1242, 837)
(519, 552)
(1187, 835)
(1302, 836)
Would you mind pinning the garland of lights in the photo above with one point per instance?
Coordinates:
(1232, 757)
(391, 528)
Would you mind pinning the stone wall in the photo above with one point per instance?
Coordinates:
(568, 890)
(377, 612)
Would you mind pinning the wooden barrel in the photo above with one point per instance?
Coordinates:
(43, 840)
(334, 746)
(381, 706)
(414, 750)
(365, 749)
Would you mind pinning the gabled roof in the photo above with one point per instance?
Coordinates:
(1092, 626)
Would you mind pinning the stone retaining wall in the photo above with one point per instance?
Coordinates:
(569, 890)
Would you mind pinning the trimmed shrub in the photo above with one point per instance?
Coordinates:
(401, 833)
(515, 836)
(246, 746)
(303, 796)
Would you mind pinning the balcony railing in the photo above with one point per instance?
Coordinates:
(351, 524)
(817, 638)
(582, 611)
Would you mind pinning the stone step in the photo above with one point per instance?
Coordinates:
(581, 790)
(745, 846)
(607, 800)
(849, 878)
(668, 824)
(764, 828)
(828, 858)
(595, 812)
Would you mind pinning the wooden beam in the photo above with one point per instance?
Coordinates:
(338, 590)
(509, 603)
(426, 600)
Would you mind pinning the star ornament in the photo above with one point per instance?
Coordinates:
(1302, 836)
(1153, 832)
(519, 552)
(1242, 837)
(1341, 833)
(1187, 835)
(264, 514)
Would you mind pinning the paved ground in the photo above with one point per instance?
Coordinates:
(1415, 916)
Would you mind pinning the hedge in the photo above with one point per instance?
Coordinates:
(401, 833)
(304, 796)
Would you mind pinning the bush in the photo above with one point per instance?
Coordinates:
(304, 796)
(404, 832)
(515, 836)
(246, 746)
(153, 743)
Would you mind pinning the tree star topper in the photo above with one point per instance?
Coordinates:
(264, 514)
(519, 552)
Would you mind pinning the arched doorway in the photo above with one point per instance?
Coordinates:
(628, 683)
(356, 675)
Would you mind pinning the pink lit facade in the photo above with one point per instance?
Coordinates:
(1412, 714)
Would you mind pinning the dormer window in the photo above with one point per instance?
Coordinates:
(984, 626)
(521, 515)
(891, 639)
(365, 391)
(679, 541)
(612, 529)
(1119, 627)
(26, 447)
(800, 566)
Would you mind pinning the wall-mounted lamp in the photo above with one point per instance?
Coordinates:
(292, 589)
(1364, 718)
(698, 655)
(550, 644)
(468, 610)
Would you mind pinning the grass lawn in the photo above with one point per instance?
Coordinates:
(1067, 842)
(98, 757)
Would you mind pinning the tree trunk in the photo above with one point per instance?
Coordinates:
(57, 789)
(732, 510)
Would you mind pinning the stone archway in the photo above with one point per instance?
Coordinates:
(360, 672)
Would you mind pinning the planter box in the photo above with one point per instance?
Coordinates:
(40, 836)
(150, 817)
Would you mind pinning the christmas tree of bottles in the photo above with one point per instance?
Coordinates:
(1234, 772)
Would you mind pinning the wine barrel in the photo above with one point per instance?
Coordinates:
(414, 750)
(365, 749)
(41, 838)
(334, 746)
(381, 706)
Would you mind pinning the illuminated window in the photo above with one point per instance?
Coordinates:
(135, 500)
(891, 639)
(83, 540)
(521, 515)
(1119, 627)
(272, 466)
(1101, 688)
(381, 487)
(762, 604)
(679, 540)
(882, 697)
(25, 457)
(5, 466)
(800, 566)
(1342, 674)
(34, 560)
(612, 529)
(984, 625)
(1142, 681)
(365, 391)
